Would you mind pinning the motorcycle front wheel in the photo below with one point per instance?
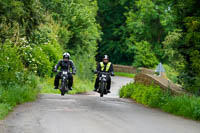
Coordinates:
(63, 90)
(102, 88)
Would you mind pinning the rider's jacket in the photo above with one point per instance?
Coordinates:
(65, 66)
(105, 67)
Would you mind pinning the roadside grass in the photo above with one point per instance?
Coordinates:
(79, 86)
(47, 86)
(18, 94)
(4, 110)
(123, 74)
(153, 96)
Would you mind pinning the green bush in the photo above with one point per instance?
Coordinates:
(11, 67)
(187, 106)
(54, 51)
(36, 60)
(144, 56)
(127, 90)
(147, 95)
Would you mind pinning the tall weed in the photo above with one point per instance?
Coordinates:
(153, 96)
(17, 94)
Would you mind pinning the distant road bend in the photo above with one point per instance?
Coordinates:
(89, 113)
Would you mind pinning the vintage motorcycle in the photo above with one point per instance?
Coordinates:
(103, 78)
(64, 82)
(64, 86)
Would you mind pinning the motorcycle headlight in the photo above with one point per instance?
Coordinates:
(104, 76)
(65, 73)
(104, 79)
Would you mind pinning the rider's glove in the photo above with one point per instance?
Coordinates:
(95, 71)
(74, 72)
(112, 74)
(98, 72)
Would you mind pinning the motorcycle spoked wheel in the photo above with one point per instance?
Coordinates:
(102, 89)
(63, 88)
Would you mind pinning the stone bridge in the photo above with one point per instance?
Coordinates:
(148, 77)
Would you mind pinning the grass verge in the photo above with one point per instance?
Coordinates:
(79, 86)
(153, 96)
(18, 94)
(129, 75)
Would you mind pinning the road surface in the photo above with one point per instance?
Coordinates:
(89, 113)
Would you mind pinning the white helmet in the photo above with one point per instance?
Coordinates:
(105, 57)
(66, 55)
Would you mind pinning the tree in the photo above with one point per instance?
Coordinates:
(19, 18)
(112, 20)
(188, 46)
(150, 21)
(144, 57)
(79, 32)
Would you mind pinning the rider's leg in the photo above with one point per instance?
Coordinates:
(96, 86)
(108, 84)
(56, 81)
(70, 82)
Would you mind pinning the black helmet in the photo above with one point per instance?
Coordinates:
(66, 55)
(105, 57)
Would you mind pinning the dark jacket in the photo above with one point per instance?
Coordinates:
(110, 69)
(65, 66)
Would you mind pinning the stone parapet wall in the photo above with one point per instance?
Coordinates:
(164, 83)
(123, 68)
(147, 76)
(146, 70)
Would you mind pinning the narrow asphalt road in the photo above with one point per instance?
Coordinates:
(91, 114)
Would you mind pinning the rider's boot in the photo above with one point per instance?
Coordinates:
(108, 91)
(70, 88)
(95, 89)
(56, 87)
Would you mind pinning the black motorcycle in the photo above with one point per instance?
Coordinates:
(103, 78)
(64, 86)
(64, 82)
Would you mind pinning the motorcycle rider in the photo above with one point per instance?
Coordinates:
(65, 65)
(104, 66)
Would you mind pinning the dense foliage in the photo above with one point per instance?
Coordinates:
(112, 20)
(79, 31)
(145, 32)
(33, 37)
(153, 96)
(126, 23)
(187, 43)
(19, 18)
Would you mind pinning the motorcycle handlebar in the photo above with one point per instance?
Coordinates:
(62, 71)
